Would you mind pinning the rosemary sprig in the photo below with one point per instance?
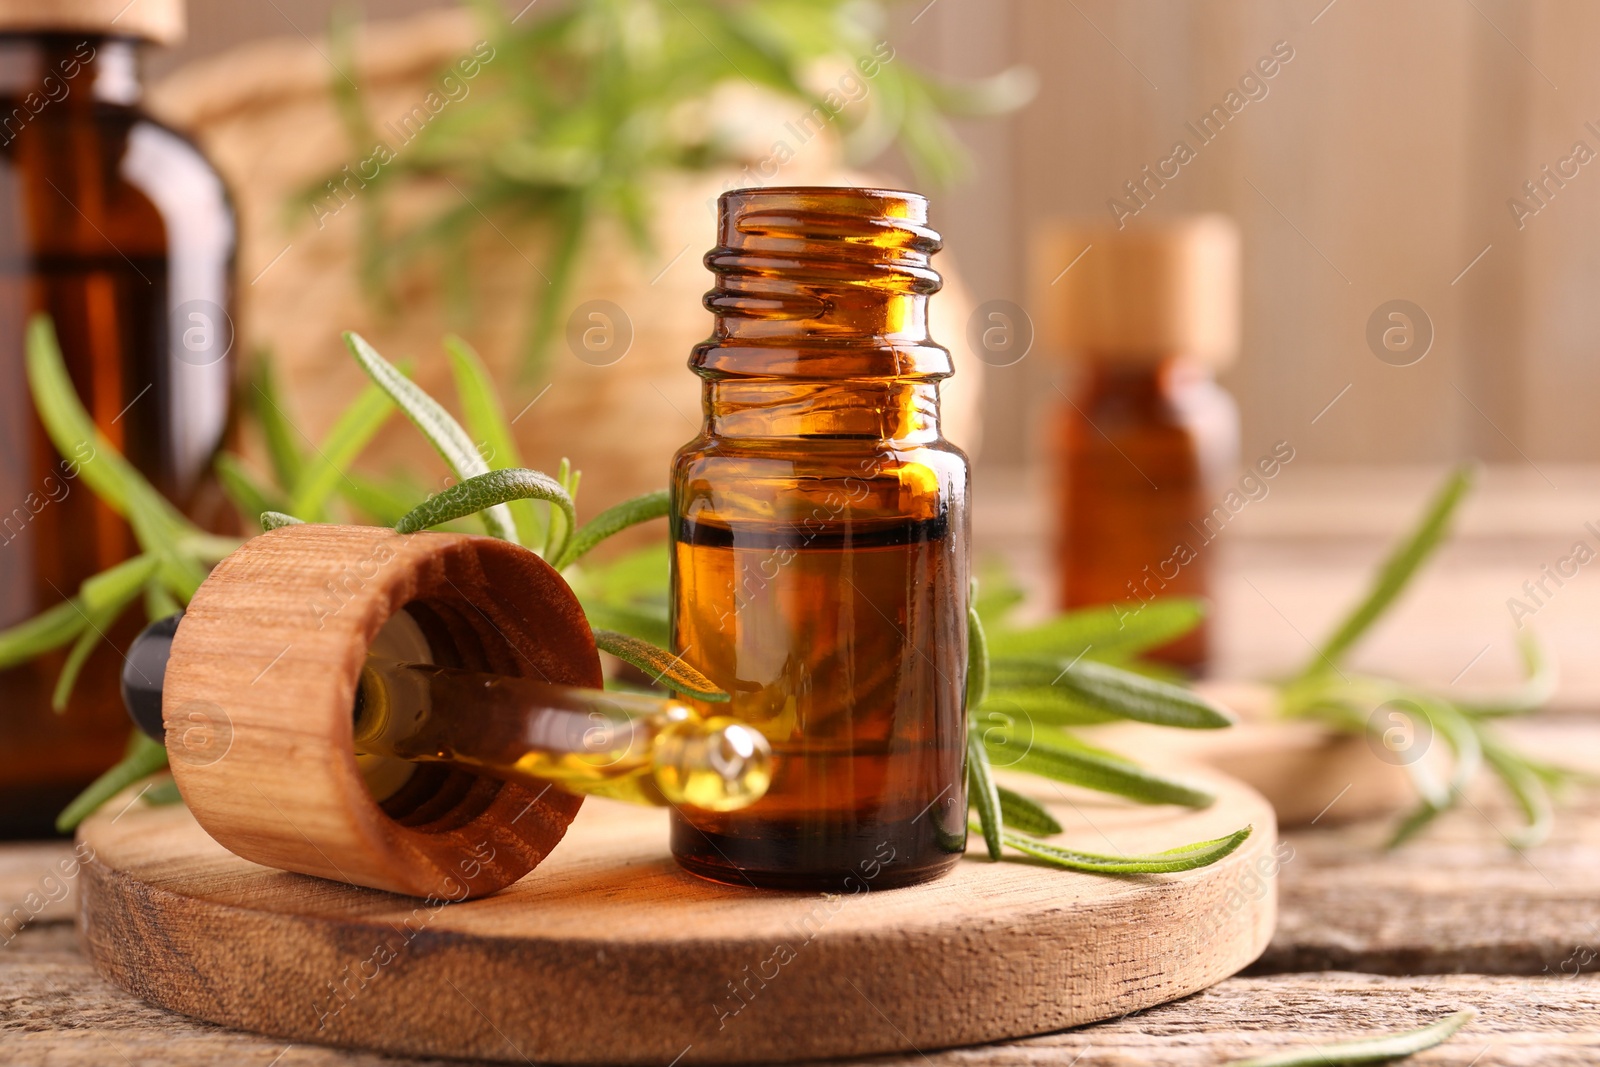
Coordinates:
(1328, 690)
(626, 602)
(577, 115)
(1380, 1049)
(176, 554)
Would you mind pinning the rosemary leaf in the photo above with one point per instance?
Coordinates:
(1043, 705)
(977, 654)
(435, 423)
(480, 410)
(1379, 1049)
(613, 520)
(1413, 824)
(1131, 696)
(558, 532)
(663, 666)
(244, 492)
(275, 520)
(267, 406)
(998, 592)
(111, 477)
(158, 603)
(639, 621)
(86, 643)
(1067, 760)
(49, 629)
(354, 429)
(164, 792)
(101, 599)
(1529, 792)
(112, 589)
(1427, 784)
(1538, 685)
(380, 501)
(984, 794)
(1025, 814)
(1102, 633)
(144, 758)
(1461, 735)
(482, 493)
(1397, 571)
(1183, 858)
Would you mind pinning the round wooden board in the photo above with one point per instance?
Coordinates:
(609, 953)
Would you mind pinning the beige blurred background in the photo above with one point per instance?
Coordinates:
(1377, 166)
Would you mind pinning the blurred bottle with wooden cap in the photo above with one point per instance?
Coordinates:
(1144, 438)
(120, 230)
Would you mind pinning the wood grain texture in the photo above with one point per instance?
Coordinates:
(610, 953)
(263, 676)
(1457, 898)
(55, 1010)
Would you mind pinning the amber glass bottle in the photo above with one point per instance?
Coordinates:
(1144, 438)
(120, 230)
(820, 544)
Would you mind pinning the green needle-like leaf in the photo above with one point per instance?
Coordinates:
(1109, 633)
(646, 623)
(442, 431)
(1067, 760)
(482, 493)
(244, 491)
(977, 654)
(480, 409)
(1026, 815)
(1380, 1049)
(661, 665)
(49, 629)
(112, 478)
(114, 588)
(1184, 858)
(614, 520)
(158, 603)
(983, 794)
(101, 599)
(1538, 686)
(1413, 824)
(87, 642)
(1111, 691)
(163, 793)
(279, 435)
(145, 757)
(354, 429)
(1397, 571)
(1529, 792)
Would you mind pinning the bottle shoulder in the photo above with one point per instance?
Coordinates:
(113, 172)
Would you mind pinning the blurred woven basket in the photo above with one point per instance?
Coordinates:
(265, 114)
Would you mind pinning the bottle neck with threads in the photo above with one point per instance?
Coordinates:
(821, 305)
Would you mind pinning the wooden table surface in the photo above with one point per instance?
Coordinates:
(1368, 940)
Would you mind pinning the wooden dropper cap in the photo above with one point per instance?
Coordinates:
(261, 683)
(1142, 293)
(158, 21)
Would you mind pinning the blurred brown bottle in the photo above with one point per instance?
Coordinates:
(121, 231)
(1144, 439)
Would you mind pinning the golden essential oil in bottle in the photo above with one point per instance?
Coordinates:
(1143, 438)
(819, 526)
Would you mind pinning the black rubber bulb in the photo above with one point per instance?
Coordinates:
(143, 673)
